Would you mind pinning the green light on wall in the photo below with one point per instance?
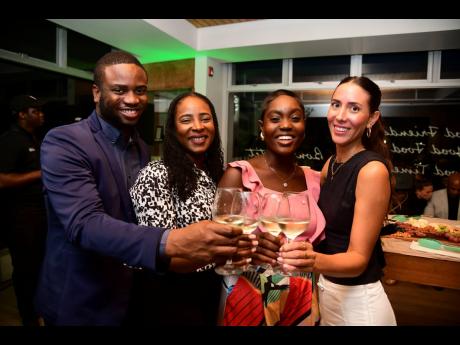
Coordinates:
(147, 56)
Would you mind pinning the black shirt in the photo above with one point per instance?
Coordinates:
(413, 205)
(452, 201)
(337, 202)
(20, 153)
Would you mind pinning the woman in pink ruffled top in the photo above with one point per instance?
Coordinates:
(263, 297)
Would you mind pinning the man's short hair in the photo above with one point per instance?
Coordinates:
(114, 58)
(420, 183)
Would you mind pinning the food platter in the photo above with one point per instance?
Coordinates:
(414, 228)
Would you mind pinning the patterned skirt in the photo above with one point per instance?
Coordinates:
(264, 298)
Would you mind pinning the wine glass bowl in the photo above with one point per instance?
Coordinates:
(294, 214)
(268, 213)
(238, 208)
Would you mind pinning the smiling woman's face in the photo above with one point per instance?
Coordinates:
(283, 125)
(195, 129)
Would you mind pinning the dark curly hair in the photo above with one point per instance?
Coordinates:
(178, 164)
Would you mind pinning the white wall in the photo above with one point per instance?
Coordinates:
(214, 88)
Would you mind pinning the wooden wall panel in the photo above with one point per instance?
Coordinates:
(171, 75)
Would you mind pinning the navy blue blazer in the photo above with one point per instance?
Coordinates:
(92, 229)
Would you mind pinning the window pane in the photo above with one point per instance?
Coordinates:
(395, 66)
(83, 52)
(450, 64)
(257, 72)
(422, 130)
(333, 68)
(33, 37)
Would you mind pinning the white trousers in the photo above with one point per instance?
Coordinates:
(358, 305)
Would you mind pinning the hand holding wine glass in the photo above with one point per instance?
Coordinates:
(269, 224)
(294, 216)
(238, 208)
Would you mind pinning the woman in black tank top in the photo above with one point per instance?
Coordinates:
(355, 197)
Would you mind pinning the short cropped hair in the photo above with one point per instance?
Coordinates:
(114, 58)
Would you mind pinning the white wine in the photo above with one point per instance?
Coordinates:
(270, 224)
(293, 228)
(249, 225)
(230, 219)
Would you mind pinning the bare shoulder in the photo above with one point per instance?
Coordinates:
(374, 171)
(231, 178)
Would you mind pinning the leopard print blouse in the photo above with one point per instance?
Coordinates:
(156, 205)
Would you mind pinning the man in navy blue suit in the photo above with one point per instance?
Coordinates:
(94, 244)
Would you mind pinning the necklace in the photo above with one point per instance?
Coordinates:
(333, 173)
(339, 165)
(284, 180)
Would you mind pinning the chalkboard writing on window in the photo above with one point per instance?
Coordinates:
(422, 138)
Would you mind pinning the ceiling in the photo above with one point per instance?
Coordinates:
(201, 23)
(236, 40)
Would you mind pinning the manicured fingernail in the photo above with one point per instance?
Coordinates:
(248, 260)
(253, 249)
(255, 243)
(252, 236)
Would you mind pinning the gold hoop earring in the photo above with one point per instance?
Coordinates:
(369, 131)
(262, 136)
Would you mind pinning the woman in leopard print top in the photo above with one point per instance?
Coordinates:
(172, 193)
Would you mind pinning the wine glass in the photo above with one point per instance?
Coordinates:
(268, 217)
(226, 209)
(250, 208)
(293, 215)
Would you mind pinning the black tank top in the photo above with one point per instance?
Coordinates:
(337, 202)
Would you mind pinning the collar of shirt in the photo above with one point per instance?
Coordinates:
(111, 133)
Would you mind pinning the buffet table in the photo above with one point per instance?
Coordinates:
(406, 264)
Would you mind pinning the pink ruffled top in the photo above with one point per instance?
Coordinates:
(251, 181)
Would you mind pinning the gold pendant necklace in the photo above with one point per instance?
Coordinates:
(339, 165)
(333, 173)
(284, 181)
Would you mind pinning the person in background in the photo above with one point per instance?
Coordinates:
(172, 193)
(93, 243)
(355, 198)
(445, 202)
(275, 299)
(418, 197)
(23, 205)
(413, 202)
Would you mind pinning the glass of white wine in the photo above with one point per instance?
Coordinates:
(293, 215)
(250, 208)
(226, 209)
(268, 218)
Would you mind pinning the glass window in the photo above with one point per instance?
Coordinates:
(422, 131)
(33, 37)
(450, 64)
(83, 52)
(257, 72)
(67, 98)
(329, 68)
(246, 107)
(395, 66)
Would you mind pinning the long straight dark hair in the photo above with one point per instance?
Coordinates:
(376, 141)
